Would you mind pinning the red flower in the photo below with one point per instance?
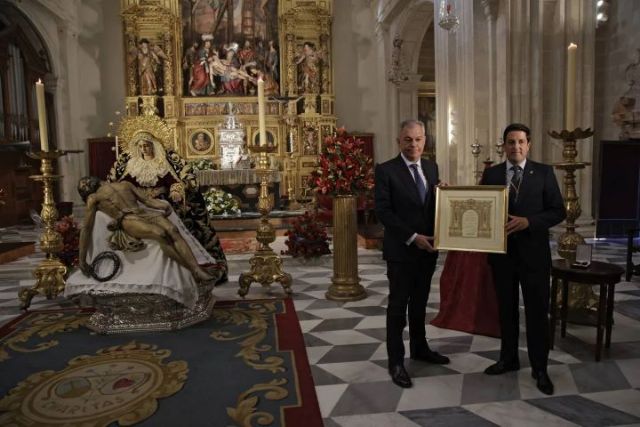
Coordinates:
(307, 237)
(343, 168)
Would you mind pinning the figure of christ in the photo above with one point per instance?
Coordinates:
(131, 222)
(163, 174)
(231, 77)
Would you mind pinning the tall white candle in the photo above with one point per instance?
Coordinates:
(42, 116)
(117, 148)
(291, 140)
(261, 113)
(570, 97)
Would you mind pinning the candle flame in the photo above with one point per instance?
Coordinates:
(573, 46)
(39, 82)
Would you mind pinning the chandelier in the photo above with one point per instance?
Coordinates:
(448, 20)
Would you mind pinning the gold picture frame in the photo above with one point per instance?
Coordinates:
(471, 218)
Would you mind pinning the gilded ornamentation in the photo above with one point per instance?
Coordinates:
(266, 265)
(326, 64)
(194, 44)
(582, 297)
(130, 126)
(168, 64)
(51, 271)
(291, 65)
(257, 319)
(345, 283)
(41, 326)
(132, 85)
(149, 105)
(119, 384)
(245, 412)
(569, 240)
(471, 218)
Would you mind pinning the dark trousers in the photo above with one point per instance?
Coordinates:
(409, 286)
(534, 281)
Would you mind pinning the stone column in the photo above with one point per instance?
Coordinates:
(490, 14)
(444, 105)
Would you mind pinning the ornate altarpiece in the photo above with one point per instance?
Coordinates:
(168, 44)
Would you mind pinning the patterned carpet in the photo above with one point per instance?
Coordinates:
(246, 363)
(345, 346)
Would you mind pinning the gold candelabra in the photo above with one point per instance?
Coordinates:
(569, 240)
(582, 299)
(51, 271)
(475, 150)
(266, 265)
(500, 148)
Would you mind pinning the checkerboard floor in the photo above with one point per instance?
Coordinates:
(346, 350)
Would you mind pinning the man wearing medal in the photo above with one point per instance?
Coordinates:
(535, 205)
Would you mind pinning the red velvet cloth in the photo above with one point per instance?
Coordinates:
(468, 299)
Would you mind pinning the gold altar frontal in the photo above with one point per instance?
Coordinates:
(192, 62)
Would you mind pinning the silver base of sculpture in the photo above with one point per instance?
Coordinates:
(120, 313)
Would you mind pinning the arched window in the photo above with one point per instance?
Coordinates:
(23, 60)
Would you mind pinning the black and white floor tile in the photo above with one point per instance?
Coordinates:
(346, 350)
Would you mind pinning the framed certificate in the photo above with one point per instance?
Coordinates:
(471, 218)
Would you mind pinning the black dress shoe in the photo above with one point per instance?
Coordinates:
(431, 357)
(501, 367)
(543, 382)
(400, 376)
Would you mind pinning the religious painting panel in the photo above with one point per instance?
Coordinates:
(228, 44)
(270, 137)
(427, 115)
(201, 141)
(310, 141)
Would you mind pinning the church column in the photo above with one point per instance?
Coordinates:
(292, 83)
(132, 89)
(385, 130)
(580, 29)
(408, 97)
(464, 95)
(490, 12)
(71, 166)
(444, 99)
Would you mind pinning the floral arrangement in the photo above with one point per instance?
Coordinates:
(343, 167)
(307, 237)
(70, 233)
(220, 203)
(201, 165)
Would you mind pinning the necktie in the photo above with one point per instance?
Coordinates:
(422, 190)
(516, 180)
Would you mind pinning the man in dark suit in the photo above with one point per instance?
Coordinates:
(405, 204)
(535, 205)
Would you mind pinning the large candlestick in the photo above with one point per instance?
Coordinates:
(570, 109)
(42, 116)
(261, 119)
(117, 148)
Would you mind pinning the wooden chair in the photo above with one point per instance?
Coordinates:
(631, 248)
